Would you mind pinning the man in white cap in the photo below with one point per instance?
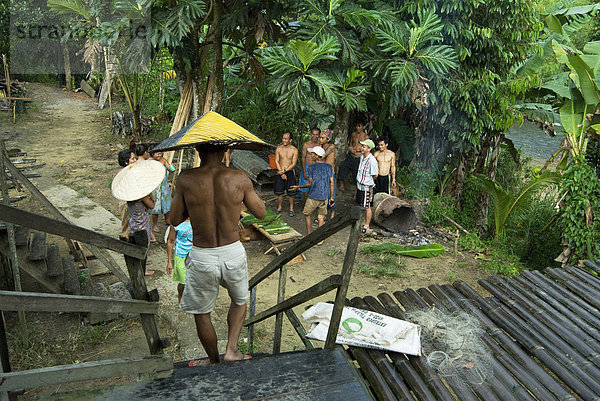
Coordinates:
(321, 184)
(368, 170)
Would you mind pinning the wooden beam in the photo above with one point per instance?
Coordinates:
(338, 223)
(107, 260)
(38, 302)
(18, 176)
(299, 328)
(316, 290)
(347, 267)
(136, 268)
(279, 317)
(38, 222)
(14, 381)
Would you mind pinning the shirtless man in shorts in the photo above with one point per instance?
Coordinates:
(286, 157)
(307, 159)
(386, 159)
(350, 164)
(212, 196)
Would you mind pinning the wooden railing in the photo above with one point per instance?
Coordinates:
(336, 281)
(145, 303)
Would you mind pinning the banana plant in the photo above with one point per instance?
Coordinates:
(506, 204)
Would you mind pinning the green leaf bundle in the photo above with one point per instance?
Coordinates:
(421, 251)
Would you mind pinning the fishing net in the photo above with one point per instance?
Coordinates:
(452, 345)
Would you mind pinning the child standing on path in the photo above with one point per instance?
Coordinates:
(321, 184)
(180, 240)
(368, 170)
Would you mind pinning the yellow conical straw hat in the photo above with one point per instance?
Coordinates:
(137, 180)
(213, 128)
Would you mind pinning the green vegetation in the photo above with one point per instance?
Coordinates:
(383, 265)
(443, 79)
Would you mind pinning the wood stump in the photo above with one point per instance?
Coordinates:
(37, 246)
(21, 235)
(53, 262)
(393, 213)
(71, 277)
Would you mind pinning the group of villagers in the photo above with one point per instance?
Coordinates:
(316, 183)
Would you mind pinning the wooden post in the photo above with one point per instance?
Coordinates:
(4, 358)
(340, 297)
(11, 235)
(252, 311)
(136, 268)
(279, 316)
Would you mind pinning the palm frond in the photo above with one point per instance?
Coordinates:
(393, 38)
(428, 29)
(404, 73)
(70, 7)
(325, 83)
(438, 59)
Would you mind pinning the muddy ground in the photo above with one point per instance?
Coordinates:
(66, 131)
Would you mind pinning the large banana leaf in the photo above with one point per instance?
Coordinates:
(421, 251)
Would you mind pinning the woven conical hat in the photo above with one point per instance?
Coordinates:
(137, 180)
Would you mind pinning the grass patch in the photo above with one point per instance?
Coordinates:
(260, 338)
(30, 350)
(383, 265)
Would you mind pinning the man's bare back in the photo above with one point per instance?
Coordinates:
(212, 196)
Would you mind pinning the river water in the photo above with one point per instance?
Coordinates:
(533, 142)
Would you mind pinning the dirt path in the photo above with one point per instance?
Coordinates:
(67, 132)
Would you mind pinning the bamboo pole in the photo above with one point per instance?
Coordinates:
(570, 356)
(558, 300)
(563, 367)
(585, 276)
(573, 300)
(559, 313)
(464, 387)
(381, 389)
(582, 290)
(535, 378)
(553, 326)
(509, 353)
(14, 260)
(592, 265)
(408, 376)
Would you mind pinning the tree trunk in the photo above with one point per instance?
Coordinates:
(218, 91)
(481, 220)
(341, 137)
(67, 62)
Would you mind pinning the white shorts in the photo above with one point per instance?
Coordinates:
(206, 269)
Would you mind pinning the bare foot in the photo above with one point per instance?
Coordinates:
(236, 356)
(200, 362)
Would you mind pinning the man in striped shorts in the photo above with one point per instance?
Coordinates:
(368, 169)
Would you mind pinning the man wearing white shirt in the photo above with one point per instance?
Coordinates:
(368, 169)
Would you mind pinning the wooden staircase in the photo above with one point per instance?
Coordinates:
(301, 375)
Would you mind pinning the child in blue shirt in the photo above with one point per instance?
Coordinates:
(180, 240)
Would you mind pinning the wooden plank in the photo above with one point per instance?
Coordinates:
(35, 269)
(38, 302)
(91, 92)
(12, 246)
(107, 260)
(136, 268)
(38, 222)
(18, 176)
(347, 267)
(14, 381)
(279, 317)
(299, 328)
(278, 238)
(341, 221)
(316, 290)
